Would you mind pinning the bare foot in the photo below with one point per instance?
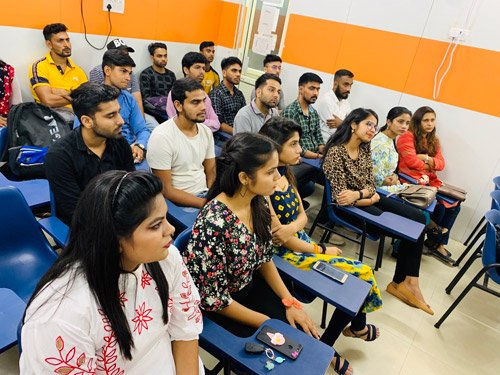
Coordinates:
(364, 334)
(341, 363)
(415, 290)
(332, 250)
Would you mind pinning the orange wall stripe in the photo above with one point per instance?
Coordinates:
(171, 20)
(395, 61)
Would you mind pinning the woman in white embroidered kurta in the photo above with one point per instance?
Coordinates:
(66, 330)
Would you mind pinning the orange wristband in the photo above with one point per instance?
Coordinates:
(291, 302)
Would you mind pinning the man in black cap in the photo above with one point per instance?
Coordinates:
(97, 75)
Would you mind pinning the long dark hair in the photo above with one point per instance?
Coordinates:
(425, 143)
(395, 112)
(111, 207)
(245, 152)
(344, 132)
(280, 130)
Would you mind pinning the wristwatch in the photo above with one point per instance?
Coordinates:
(141, 146)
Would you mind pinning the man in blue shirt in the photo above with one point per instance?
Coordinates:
(117, 67)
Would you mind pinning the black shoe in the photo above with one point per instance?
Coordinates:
(306, 204)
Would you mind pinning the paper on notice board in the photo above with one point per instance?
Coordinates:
(268, 21)
(263, 44)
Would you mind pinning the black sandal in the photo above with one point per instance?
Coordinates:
(371, 333)
(340, 370)
(447, 259)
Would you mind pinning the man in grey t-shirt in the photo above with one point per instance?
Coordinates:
(272, 64)
(251, 117)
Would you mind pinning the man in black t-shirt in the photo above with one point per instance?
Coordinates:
(95, 147)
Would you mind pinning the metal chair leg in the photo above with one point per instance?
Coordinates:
(478, 225)
(475, 255)
(470, 246)
(380, 253)
(460, 297)
(315, 222)
(323, 315)
(362, 243)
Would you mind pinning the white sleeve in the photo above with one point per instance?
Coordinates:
(59, 345)
(16, 97)
(185, 319)
(324, 110)
(210, 154)
(159, 155)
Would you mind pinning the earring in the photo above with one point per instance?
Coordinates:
(243, 194)
(352, 130)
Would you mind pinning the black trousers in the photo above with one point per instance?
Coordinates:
(410, 253)
(307, 176)
(259, 296)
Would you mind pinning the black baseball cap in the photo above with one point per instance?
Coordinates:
(119, 44)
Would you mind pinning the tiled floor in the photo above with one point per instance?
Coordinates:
(466, 343)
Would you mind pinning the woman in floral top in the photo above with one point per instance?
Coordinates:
(384, 154)
(119, 300)
(349, 169)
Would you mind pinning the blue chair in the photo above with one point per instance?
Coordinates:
(36, 192)
(11, 311)
(495, 205)
(3, 139)
(335, 220)
(229, 349)
(181, 217)
(25, 254)
(491, 265)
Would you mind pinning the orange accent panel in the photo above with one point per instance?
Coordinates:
(312, 42)
(227, 25)
(170, 20)
(395, 61)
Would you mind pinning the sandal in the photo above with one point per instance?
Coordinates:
(447, 259)
(369, 335)
(345, 367)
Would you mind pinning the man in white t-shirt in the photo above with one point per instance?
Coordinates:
(181, 150)
(333, 107)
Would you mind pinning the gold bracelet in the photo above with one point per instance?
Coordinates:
(316, 248)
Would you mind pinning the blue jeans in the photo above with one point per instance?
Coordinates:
(445, 218)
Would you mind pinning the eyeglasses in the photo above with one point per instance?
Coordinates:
(371, 125)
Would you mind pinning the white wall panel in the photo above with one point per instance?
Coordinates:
(333, 10)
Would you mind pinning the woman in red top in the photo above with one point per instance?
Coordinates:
(420, 157)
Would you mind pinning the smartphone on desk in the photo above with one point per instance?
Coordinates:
(330, 271)
(290, 348)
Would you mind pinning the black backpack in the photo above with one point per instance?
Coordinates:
(31, 124)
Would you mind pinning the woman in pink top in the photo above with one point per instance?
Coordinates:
(420, 157)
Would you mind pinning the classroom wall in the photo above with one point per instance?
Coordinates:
(393, 47)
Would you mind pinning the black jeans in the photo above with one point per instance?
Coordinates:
(410, 253)
(307, 176)
(259, 296)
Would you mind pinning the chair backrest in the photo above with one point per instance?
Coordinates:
(490, 250)
(182, 239)
(25, 254)
(496, 181)
(495, 199)
(3, 140)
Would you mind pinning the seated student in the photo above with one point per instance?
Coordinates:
(420, 157)
(119, 298)
(251, 117)
(294, 245)
(348, 166)
(226, 98)
(117, 67)
(272, 65)
(156, 82)
(193, 66)
(211, 78)
(55, 76)
(311, 141)
(333, 106)
(231, 242)
(97, 75)
(384, 154)
(94, 147)
(10, 92)
(181, 150)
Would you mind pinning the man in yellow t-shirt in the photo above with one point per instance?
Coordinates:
(54, 76)
(211, 79)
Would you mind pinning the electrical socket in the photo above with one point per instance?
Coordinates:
(458, 33)
(117, 6)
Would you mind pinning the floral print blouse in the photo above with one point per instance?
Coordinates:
(385, 161)
(222, 255)
(345, 173)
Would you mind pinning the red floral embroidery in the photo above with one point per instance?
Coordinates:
(64, 361)
(106, 360)
(186, 302)
(142, 318)
(123, 299)
(145, 279)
